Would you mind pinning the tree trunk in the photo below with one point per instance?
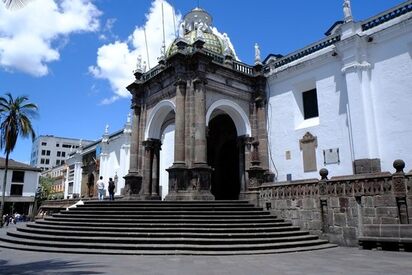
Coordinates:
(6, 168)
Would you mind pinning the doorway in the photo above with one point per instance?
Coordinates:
(223, 157)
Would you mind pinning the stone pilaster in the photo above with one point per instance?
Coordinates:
(133, 180)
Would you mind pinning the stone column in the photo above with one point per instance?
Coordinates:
(200, 122)
(201, 173)
(180, 123)
(147, 168)
(178, 179)
(133, 180)
(155, 169)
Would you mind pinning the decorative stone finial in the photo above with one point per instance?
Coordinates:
(324, 173)
(106, 129)
(347, 11)
(257, 54)
(139, 64)
(399, 165)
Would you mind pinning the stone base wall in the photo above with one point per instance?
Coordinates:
(340, 208)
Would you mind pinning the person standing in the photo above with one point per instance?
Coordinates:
(100, 188)
(111, 188)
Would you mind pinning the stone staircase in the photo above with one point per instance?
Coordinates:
(162, 228)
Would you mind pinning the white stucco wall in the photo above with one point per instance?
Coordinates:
(392, 98)
(364, 99)
(286, 124)
(115, 160)
(31, 180)
(166, 157)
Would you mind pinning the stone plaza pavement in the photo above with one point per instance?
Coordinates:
(341, 260)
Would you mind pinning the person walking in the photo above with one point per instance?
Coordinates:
(111, 188)
(100, 188)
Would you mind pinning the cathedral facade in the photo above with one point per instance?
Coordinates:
(207, 126)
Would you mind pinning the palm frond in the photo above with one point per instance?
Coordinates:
(15, 116)
(15, 4)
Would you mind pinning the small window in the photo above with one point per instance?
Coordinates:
(44, 143)
(58, 162)
(48, 153)
(57, 145)
(47, 161)
(63, 154)
(62, 162)
(16, 190)
(58, 153)
(41, 161)
(310, 104)
(17, 176)
(43, 152)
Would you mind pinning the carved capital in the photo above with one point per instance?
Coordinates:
(180, 82)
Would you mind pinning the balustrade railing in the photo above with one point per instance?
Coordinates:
(387, 15)
(330, 40)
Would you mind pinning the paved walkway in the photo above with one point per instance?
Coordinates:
(340, 260)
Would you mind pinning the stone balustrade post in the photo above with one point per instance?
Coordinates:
(399, 190)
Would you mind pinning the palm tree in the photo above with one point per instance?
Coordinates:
(15, 115)
(15, 4)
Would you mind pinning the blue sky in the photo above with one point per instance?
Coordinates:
(72, 57)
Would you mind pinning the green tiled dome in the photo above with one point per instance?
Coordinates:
(212, 43)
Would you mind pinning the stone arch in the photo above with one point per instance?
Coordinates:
(157, 117)
(235, 112)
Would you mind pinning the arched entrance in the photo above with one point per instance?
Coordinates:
(223, 157)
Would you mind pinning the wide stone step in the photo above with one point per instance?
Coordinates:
(30, 247)
(162, 204)
(160, 212)
(162, 215)
(151, 210)
(163, 219)
(162, 228)
(270, 227)
(160, 240)
(163, 234)
(97, 246)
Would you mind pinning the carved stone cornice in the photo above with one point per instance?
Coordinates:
(355, 67)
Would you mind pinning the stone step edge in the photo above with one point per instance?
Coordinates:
(169, 240)
(170, 252)
(166, 224)
(100, 246)
(226, 233)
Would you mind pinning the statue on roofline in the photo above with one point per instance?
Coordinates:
(347, 11)
(257, 54)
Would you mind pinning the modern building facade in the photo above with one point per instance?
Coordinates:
(342, 103)
(49, 151)
(21, 186)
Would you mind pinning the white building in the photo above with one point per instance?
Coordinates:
(108, 157)
(21, 186)
(351, 92)
(49, 151)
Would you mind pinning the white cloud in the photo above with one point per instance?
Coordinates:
(116, 61)
(28, 36)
